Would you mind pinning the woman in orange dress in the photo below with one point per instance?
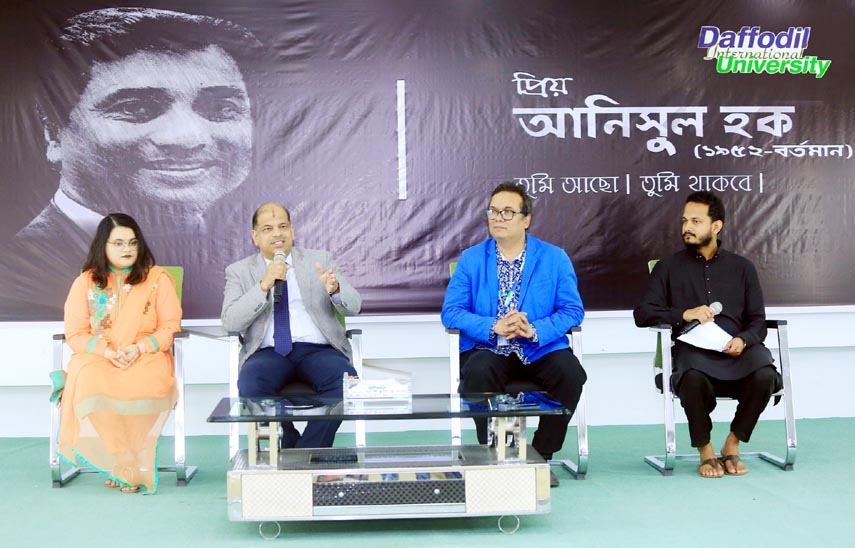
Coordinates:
(120, 317)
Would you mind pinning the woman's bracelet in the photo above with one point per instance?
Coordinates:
(141, 347)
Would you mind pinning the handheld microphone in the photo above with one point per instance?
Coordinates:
(277, 285)
(716, 308)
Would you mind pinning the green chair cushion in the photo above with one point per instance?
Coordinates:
(177, 273)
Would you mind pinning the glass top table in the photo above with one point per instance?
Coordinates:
(422, 406)
(271, 411)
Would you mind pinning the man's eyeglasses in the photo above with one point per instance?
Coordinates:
(505, 214)
(120, 244)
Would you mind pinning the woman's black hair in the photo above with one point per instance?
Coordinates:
(96, 260)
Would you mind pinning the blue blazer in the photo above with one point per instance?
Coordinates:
(548, 294)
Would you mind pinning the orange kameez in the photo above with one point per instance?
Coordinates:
(111, 418)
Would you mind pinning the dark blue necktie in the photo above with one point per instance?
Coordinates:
(282, 324)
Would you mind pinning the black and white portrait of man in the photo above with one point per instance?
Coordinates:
(146, 112)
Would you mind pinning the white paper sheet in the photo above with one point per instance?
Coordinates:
(707, 335)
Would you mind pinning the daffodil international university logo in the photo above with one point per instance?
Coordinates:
(755, 50)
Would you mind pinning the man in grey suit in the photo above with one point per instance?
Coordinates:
(298, 337)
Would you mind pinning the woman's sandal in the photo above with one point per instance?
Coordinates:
(112, 484)
(126, 473)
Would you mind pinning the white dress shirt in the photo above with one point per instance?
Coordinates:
(303, 328)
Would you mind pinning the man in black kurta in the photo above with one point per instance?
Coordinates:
(680, 290)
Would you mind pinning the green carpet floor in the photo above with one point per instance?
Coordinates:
(623, 502)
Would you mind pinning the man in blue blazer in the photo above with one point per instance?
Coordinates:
(513, 298)
(298, 338)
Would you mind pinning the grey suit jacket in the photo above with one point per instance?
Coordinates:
(247, 309)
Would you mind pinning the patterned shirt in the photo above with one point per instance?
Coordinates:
(510, 278)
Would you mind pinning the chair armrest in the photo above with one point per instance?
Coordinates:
(661, 327)
(454, 379)
(179, 335)
(351, 332)
(575, 336)
(773, 324)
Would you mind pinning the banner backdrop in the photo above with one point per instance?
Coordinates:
(384, 124)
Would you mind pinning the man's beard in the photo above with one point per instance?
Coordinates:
(694, 246)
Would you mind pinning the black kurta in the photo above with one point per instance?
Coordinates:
(687, 280)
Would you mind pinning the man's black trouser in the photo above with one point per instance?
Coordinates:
(559, 373)
(698, 391)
